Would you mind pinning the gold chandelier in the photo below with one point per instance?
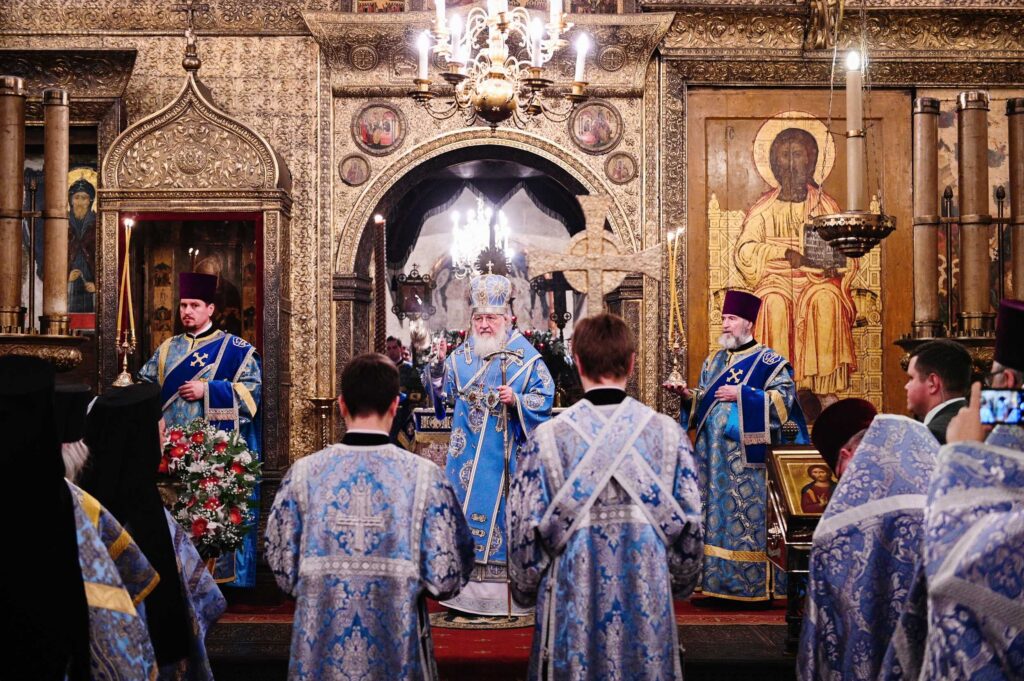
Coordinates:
(488, 80)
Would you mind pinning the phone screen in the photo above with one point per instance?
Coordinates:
(1001, 406)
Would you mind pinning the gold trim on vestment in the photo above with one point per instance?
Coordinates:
(246, 397)
(780, 405)
(736, 598)
(120, 544)
(109, 598)
(739, 556)
(91, 506)
(148, 589)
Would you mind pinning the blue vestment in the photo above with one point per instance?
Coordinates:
(475, 463)
(865, 554)
(730, 449)
(359, 536)
(205, 606)
(604, 528)
(117, 578)
(974, 562)
(230, 367)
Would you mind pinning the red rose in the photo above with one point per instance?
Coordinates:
(235, 516)
(163, 465)
(198, 438)
(175, 435)
(177, 452)
(237, 468)
(191, 502)
(212, 503)
(199, 527)
(220, 446)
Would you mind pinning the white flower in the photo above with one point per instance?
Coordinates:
(249, 477)
(220, 436)
(244, 458)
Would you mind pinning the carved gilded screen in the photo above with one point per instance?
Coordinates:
(760, 164)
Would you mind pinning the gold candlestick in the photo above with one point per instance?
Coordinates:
(324, 409)
(126, 341)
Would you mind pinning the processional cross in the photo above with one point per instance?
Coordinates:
(596, 262)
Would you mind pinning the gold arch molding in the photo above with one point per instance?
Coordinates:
(529, 143)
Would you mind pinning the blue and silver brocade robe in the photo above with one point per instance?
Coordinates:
(117, 578)
(601, 542)
(733, 490)
(974, 561)
(359, 536)
(205, 606)
(475, 463)
(239, 568)
(865, 554)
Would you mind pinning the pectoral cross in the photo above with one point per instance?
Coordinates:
(199, 359)
(360, 518)
(596, 262)
(735, 375)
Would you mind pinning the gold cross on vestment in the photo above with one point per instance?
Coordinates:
(735, 375)
(596, 261)
(199, 359)
(360, 519)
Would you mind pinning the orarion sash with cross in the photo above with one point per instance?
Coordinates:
(596, 262)
(219, 362)
(751, 374)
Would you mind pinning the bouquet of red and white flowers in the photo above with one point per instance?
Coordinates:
(215, 473)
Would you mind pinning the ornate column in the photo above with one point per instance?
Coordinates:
(627, 301)
(1015, 120)
(976, 317)
(56, 141)
(12, 188)
(927, 322)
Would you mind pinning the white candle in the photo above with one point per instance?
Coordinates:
(582, 45)
(855, 167)
(424, 44)
(503, 6)
(492, 7)
(537, 35)
(555, 7)
(439, 6)
(456, 37)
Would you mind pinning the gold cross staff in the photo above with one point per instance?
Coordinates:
(596, 261)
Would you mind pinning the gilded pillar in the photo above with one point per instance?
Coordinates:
(12, 189)
(927, 322)
(976, 317)
(1015, 119)
(56, 144)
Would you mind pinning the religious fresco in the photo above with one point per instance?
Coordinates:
(595, 127)
(354, 170)
(766, 178)
(379, 6)
(998, 176)
(621, 167)
(82, 183)
(378, 129)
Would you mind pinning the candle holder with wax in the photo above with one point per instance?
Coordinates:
(126, 341)
(675, 318)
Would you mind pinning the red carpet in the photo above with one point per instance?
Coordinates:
(503, 654)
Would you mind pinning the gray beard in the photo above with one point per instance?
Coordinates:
(484, 346)
(731, 342)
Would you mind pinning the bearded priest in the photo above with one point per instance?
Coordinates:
(745, 395)
(501, 390)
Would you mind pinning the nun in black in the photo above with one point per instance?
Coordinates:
(122, 433)
(43, 595)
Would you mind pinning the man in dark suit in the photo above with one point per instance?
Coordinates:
(940, 377)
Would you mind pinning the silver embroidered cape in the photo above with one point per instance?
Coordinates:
(604, 528)
(359, 535)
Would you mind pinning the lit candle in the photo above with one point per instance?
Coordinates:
(455, 32)
(492, 7)
(582, 45)
(855, 167)
(439, 6)
(537, 34)
(502, 6)
(555, 7)
(671, 287)
(424, 44)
